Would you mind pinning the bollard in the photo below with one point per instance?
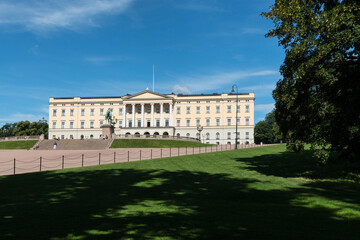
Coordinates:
(186, 150)
(128, 156)
(114, 157)
(150, 153)
(14, 165)
(62, 161)
(221, 147)
(40, 163)
(99, 157)
(193, 150)
(178, 151)
(82, 160)
(199, 149)
(140, 155)
(161, 153)
(170, 152)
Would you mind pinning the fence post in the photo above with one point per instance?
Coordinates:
(14, 165)
(170, 152)
(199, 149)
(193, 150)
(40, 163)
(140, 154)
(128, 156)
(178, 151)
(221, 147)
(99, 157)
(160, 152)
(82, 160)
(62, 161)
(186, 150)
(150, 153)
(114, 157)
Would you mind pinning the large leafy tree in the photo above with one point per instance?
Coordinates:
(24, 128)
(267, 131)
(317, 100)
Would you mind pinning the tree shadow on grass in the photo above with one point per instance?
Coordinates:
(145, 204)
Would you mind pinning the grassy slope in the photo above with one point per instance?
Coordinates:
(17, 144)
(146, 143)
(259, 193)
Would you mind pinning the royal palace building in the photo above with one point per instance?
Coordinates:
(151, 113)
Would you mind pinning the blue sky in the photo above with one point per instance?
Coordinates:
(66, 48)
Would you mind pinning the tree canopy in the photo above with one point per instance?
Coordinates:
(317, 98)
(24, 128)
(267, 131)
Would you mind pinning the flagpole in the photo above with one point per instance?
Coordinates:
(153, 78)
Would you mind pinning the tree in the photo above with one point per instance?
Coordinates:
(24, 128)
(317, 98)
(267, 131)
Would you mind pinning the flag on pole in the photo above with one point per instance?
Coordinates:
(153, 77)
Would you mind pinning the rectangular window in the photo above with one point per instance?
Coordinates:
(120, 123)
(71, 125)
(92, 112)
(139, 123)
(187, 110)
(54, 125)
(229, 121)
(71, 112)
(229, 135)
(229, 109)
(166, 122)
(247, 121)
(208, 122)
(157, 109)
(197, 122)
(197, 110)
(166, 109)
(217, 109)
(130, 123)
(63, 124)
(101, 112)
(148, 109)
(54, 113)
(82, 112)
(178, 122)
(238, 121)
(63, 112)
(82, 124)
(139, 110)
(62, 137)
(207, 109)
(247, 135)
(158, 122)
(130, 110)
(120, 111)
(188, 122)
(91, 124)
(238, 109)
(247, 108)
(218, 122)
(178, 110)
(101, 123)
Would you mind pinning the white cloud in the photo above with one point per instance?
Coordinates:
(180, 89)
(105, 59)
(264, 107)
(44, 15)
(216, 81)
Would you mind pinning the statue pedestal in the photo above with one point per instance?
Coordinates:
(107, 131)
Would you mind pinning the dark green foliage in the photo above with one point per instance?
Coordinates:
(24, 128)
(317, 101)
(267, 131)
(254, 193)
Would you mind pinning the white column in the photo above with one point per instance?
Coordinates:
(142, 115)
(133, 115)
(152, 115)
(161, 115)
(124, 116)
(171, 115)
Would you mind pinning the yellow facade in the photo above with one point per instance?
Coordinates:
(151, 113)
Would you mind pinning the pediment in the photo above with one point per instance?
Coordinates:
(146, 95)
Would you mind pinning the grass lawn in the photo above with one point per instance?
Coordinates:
(153, 143)
(17, 144)
(254, 193)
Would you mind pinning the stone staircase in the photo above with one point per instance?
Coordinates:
(75, 144)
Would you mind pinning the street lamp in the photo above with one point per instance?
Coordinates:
(200, 128)
(237, 100)
(42, 121)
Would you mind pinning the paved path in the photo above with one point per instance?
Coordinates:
(26, 161)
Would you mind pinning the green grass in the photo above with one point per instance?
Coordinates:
(153, 143)
(17, 144)
(255, 193)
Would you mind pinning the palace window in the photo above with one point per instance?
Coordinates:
(207, 136)
(120, 111)
(188, 122)
(197, 110)
(91, 124)
(139, 110)
(208, 122)
(166, 109)
(188, 135)
(229, 109)
(247, 135)
(157, 109)
(82, 112)
(148, 109)
(120, 123)
(101, 112)
(229, 121)
(238, 109)
(238, 121)
(187, 110)
(92, 112)
(197, 122)
(247, 108)
(207, 109)
(178, 110)
(130, 123)
(54, 113)
(247, 121)
(166, 122)
(101, 123)
(63, 124)
(71, 125)
(71, 112)
(229, 135)
(139, 123)
(217, 109)
(54, 125)
(218, 122)
(157, 122)
(82, 124)
(217, 136)
(178, 122)
(63, 112)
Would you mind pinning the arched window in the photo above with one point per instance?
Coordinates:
(217, 136)
(198, 135)
(91, 136)
(178, 135)
(188, 135)
(207, 136)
